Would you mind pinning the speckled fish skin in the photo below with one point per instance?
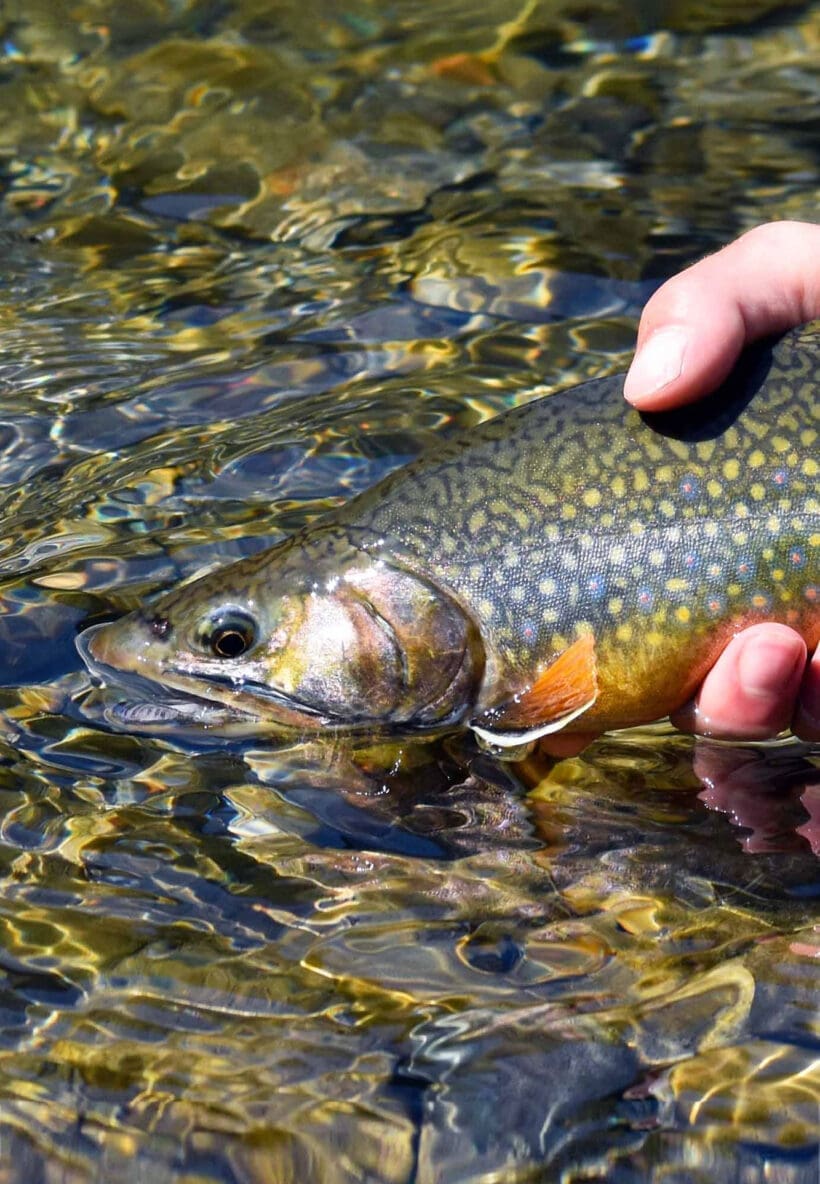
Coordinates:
(569, 515)
(660, 535)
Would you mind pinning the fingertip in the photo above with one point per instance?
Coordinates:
(751, 691)
(688, 342)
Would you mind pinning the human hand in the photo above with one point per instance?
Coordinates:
(691, 332)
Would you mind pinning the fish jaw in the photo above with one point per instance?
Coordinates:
(122, 655)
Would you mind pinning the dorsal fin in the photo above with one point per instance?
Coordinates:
(566, 689)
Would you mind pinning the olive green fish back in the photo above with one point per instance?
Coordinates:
(570, 513)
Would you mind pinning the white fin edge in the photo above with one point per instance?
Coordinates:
(513, 739)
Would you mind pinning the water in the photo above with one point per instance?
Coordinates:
(255, 256)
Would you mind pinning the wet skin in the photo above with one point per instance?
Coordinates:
(570, 564)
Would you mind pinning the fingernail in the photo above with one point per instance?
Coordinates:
(658, 362)
(765, 668)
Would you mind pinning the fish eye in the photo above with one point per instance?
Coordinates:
(230, 634)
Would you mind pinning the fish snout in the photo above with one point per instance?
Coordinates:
(118, 645)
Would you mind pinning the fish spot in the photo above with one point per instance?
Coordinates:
(756, 459)
(780, 478)
(689, 487)
(812, 593)
(731, 470)
(596, 587)
(683, 614)
(592, 498)
(691, 561)
(645, 598)
(715, 605)
(797, 558)
(761, 600)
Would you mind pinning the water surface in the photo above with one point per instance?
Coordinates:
(255, 256)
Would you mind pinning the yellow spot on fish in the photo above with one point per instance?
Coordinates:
(615, 606)
(654, 638)
(740, 539)
(657, 558)
(667, 508)
(624, 633)
(641, 481)
(549, 616)
(757, 459)
(477, 521)
(592, 498)
(547, 587)
(780, 445)
(758, 491)
(773, 524)
(807, 437)
(568, 510)
(810, 467)
(683, 614)
(734, 589)
(714, 488)
(741, 510)
(617, 553)
(618, 486)
(731, 470)
(663, 473)
(677, 585)
(778, 573)
(705, 449)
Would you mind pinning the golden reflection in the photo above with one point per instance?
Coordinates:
(255, 256)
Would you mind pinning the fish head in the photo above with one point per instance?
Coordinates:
(317, 632)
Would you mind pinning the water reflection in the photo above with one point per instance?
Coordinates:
(254, 256)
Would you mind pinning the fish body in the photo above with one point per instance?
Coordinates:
(569, 564)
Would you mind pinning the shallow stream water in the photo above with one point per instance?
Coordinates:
(255, 255)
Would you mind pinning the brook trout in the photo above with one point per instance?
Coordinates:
(569, 564)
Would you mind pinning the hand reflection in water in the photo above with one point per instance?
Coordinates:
(767, 793)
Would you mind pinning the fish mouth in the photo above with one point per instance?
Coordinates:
(154, 705)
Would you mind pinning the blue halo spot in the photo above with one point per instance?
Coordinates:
(715, 605)
(780, 478)
(691, 561)
(689, 487)
(596, 587)
(797, 557)
(645, 598)
(745, 568)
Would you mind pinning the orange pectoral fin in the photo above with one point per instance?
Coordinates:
(565, 690)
